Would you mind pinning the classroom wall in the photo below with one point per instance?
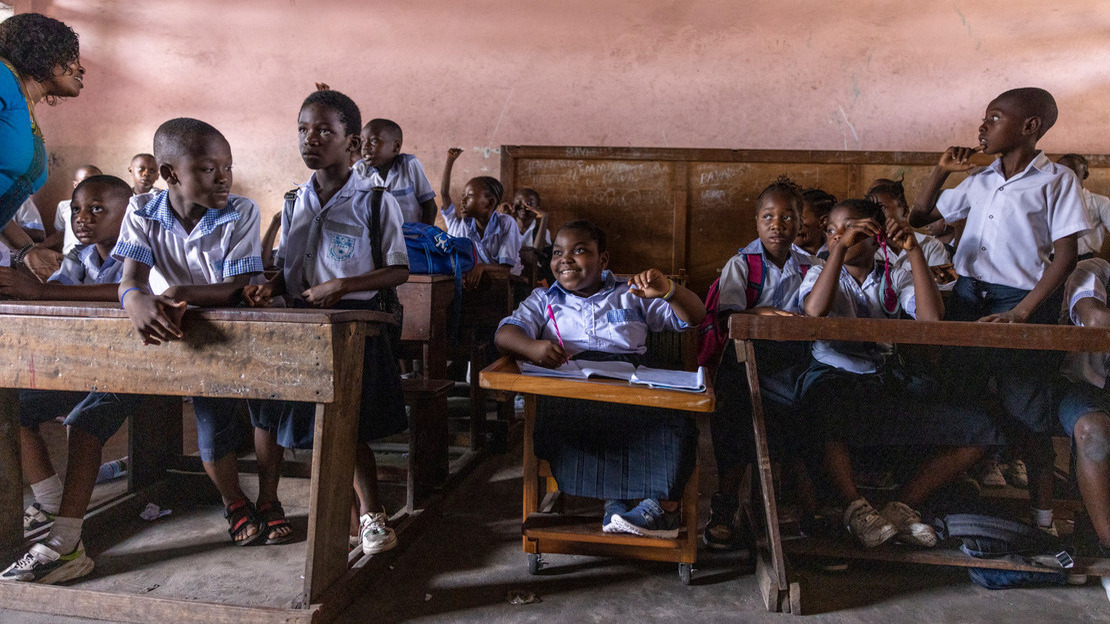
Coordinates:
(763, 74)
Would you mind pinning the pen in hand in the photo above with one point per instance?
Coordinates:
(551, 315)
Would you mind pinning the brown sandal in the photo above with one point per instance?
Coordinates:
(271, 517)
(240, 517)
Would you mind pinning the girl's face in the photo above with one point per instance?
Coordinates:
(811, 233)
(892, 206)
(776, 222)
(477, 202)
(863, 251)
(576, 263)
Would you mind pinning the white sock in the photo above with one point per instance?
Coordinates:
(65, 534)
(1043, 517)
(48, 493)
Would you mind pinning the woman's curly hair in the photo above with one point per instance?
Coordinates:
(35, 44)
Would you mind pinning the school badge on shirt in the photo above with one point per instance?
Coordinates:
(342, 247)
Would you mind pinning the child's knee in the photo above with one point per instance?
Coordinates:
(1092, 436)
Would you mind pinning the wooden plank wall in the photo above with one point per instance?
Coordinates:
(674, 208)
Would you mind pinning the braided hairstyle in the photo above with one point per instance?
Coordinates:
(492, 186)
(783, 185)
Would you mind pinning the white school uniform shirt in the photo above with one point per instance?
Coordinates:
(343, 249)
(780, 286)
(225, 243)
(935, 253)
(611, 320)
(854, 300)
(84, 266)
(1098, 214)
(26, 217)
(1089, 279)
(1011, 224)
(405, 180)
(501, 242)
(63, 221)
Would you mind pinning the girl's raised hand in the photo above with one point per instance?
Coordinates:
(505, 208)
(857, 231)
(651, 284)
(957, 159)
(900, 234)
(453, 153)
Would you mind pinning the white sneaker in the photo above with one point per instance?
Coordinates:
(375, 532)
(990, 474)
(870, 528)
(911, 530)
(42, 564)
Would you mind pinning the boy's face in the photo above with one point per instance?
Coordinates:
(576, 263)
(203, 176)
(476, 202)
(523, 206)
(144, 173)
(379, 148)
(97, 212)
(811, 233)
(863, 252)
(323, 138)
(1003, 127)
(82, 173)
(776, 222)
(891, 206)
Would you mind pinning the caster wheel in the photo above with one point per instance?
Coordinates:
(535, 564)
(685, 572)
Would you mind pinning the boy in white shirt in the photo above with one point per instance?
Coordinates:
(1098, 207)
(63, 224)
(383, 164)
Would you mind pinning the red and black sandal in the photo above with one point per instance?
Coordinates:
(271, 517)
(241, 517)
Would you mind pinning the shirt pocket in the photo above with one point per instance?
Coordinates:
(342, 241)
(625, 315)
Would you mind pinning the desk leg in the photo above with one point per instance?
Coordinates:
(776, 576)
(333, 460)
(531, 469)
(11, 476)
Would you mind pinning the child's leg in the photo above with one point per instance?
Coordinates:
(366, 480)
(270, 456)
(36, 460)
(1092, 470)
(37, 407)
(944, 467)
(217, 438)
(838, 464)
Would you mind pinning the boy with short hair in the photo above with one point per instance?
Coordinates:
(87, 274)
(1098, 207)
(63, 223)
(144, 173)
(204, 243)
(1024, 214)
(383, 164)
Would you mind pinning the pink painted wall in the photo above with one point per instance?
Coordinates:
(788, 74)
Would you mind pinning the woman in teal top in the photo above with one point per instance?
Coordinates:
(39, 60)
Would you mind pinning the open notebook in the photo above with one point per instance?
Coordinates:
(640, 375)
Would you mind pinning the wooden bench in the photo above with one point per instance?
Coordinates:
(545, 532)
(300, 355)
(779, 591)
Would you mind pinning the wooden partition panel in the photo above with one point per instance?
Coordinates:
(692, 209)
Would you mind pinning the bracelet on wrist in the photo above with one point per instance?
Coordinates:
(22, 253)
(670, 293)
(124, 295)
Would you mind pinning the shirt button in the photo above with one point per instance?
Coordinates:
(317, 219)
(990, 216)
(982, 249)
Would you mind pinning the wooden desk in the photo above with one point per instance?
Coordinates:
(544, 532)
(778, 592)
(427, 300)
(298, 355)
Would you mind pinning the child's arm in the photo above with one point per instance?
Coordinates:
(41, 261)
(157, 318)
(652, 284)
(259, 295)
(268, 240)
(227, 293)
(512, 340)
(1065, 251)
(1092, 312)
(326, 294)
(930, 306)
(428, 211)
(953, 160)
(445, 186)
(21, 286)
(539, 238)
(474, 277)
(820, 299)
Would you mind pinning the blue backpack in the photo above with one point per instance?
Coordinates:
(434, 252)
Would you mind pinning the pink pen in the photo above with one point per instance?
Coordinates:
(551, 315)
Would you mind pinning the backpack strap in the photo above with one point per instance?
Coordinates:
(756, 269)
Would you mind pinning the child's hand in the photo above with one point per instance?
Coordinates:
(42, 262)
(651, 284)
(547, 354)
(453, 153)
(1009, 316)
(474, 277)
(505, 208)
(855, 232)
(18, 285)
(769, 311)
(258, 295)
(958, 159)
(899, 234)
(322, 86)
(156, 318)
(324, 295)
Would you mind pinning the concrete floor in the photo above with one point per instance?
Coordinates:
(467, 564)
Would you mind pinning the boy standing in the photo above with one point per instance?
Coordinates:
(205, 243)
(1024, 214)
(88, 274)
(383, 164)
(1098, 207)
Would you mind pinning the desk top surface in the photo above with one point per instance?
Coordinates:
(81, 309)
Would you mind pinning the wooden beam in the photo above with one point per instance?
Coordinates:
(11, 476)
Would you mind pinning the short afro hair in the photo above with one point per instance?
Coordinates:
(343, 106)
(1034, 102)
(109, 182)
(387, 127)
(182, 136)
(589, 228)
(35, 44)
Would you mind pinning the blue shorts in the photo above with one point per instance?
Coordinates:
(1077, 400)
(98, 413)
(218, 430)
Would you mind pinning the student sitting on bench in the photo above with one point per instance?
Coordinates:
(88, 273)
(861, 395)
(600, 450)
